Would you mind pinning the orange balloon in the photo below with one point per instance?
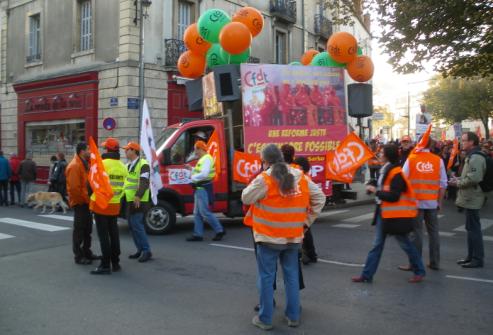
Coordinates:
(193, 40)
(235, 38)
(191, 65)
(307, 57)
(250, 17)
(361, 69)
(343, 47)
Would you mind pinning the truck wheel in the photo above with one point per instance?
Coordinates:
(160, 219)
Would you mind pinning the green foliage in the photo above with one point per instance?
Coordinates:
(455, 100)
(454, 35)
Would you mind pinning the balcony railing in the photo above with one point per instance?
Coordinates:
(33, 58)
(173, 48)
(284, 9)
(323, 26)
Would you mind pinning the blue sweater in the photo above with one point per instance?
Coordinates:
(5, 171)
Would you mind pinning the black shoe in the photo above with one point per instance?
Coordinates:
(194, 238)
(116, 268)
(219, 236)
(473, 264)
(101, 271)
(94, 257)
(83, 261)
(135, 256)
(145, 257)
(463, 261)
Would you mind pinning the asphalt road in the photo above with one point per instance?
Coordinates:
(209, 288)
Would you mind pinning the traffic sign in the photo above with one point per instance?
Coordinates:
(377, 117)
(109, 123)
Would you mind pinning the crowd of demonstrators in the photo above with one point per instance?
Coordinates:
(27, 175)
(5, 174)
(15, 181)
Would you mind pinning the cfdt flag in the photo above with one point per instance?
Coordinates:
(453, 154)
(245, 167)
(349, 155)
(213, 150)
(148, 146)
(98, 178)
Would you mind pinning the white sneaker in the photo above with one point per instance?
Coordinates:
(292, 323)
(257, 323)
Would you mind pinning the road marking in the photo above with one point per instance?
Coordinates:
(440, 216)
(346, 225)
(446, 234)
(360, 218)
(485, 224)
(5, 236)
(329, 213)
(33, 225)
(471, 279)
(231, 247)
(488, 238)
(58, 217)
(341, 263)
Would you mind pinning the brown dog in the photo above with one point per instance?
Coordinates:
(44, 199)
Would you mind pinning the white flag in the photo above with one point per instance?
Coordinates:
(149, 148)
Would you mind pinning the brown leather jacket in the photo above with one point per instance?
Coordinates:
(76, 174)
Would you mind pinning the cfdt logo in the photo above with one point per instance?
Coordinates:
(424, 167)
(252, 78)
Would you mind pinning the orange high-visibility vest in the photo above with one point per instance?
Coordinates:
(406, 206)
(277, 215)
(375, 162)
(424, 175)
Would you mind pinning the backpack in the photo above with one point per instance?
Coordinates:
(487, 183)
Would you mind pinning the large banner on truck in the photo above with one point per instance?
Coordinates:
(300, 105)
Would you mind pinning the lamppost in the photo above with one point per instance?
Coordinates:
(139, 19)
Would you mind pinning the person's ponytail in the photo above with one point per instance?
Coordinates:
(280, 172)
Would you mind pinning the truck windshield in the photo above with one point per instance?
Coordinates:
(163, 139)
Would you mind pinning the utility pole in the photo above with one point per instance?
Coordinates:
(141, 64)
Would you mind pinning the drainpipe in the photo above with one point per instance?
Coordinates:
(303, 26)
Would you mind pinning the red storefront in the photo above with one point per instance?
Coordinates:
(54, 115)
(178, 104)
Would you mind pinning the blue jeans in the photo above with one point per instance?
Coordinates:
(202, 212)
(475, 248)
(136, 224)
(373, 259)
(267, 263)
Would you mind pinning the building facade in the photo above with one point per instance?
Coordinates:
(69, 69)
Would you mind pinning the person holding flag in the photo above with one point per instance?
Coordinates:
(203, 175)
(137, 197)
(107, 178)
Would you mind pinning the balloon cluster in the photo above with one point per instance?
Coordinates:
(216, 39)
(342, 51)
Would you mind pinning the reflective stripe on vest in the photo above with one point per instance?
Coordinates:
(116, 171)
(198, 167)
(406, 206)
(132, 182)
(424, 175)
(280, 216)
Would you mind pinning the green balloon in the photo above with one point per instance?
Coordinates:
(215, 56)
(360, 52)
(236, 59)
(295, 63)
(324, 59)
(210, 24)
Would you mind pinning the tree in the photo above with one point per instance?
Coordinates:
(455, 35)
(455, 100)
(389, 120)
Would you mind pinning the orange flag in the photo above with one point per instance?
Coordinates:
(98, 179)
(213, 150)
(349, 155)
(423, 142)
(245, 166)
(331, 172)
(453, 154)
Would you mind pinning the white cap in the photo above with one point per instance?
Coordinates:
(200, 134)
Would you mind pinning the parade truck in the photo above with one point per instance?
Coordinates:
(244, 109)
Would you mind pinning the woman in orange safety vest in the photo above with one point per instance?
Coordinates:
(395, 214)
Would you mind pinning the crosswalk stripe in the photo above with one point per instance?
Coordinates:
(488, 238)
(440, 216)
(58, 217)
(31, 224)
(446, 234)
(360, 218)
(329, 213)
(485, 224)
(5, 236)
(346, 225)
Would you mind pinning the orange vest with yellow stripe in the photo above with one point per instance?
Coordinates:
(424, 175)
(406, 206)
(278, 215)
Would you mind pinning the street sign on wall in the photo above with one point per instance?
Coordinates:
(377, 117)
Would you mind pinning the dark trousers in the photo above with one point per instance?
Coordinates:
(81, 237)
(475, 249)
(430, 219)
(308, 245)
(4, 200)
(109, 239)
(15, 186)
(374, 173)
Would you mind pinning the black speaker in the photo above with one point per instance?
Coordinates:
(194, 94)
(360, 100)
(226, 80)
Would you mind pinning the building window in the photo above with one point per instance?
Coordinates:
(85, 11)
(184, 17)
(281, 47)
(34, 53)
